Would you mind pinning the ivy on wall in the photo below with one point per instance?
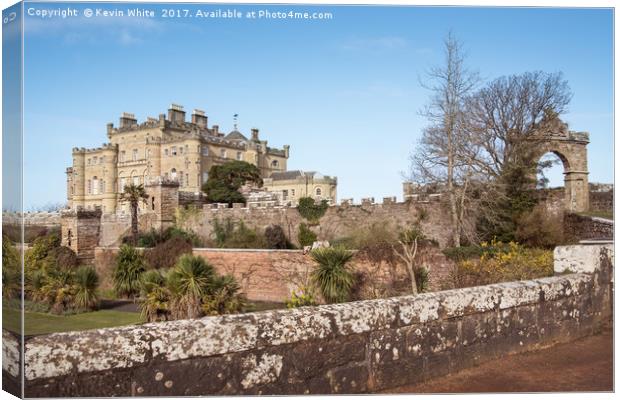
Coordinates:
(310, 210)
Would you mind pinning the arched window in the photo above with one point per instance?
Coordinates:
(275, 163)
(121, 185)
(173, 173)
(318, 191)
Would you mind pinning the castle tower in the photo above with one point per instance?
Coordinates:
(108, 201)
(79, 173)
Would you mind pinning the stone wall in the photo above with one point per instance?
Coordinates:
(343, 348)
(581, 227)
(338, 222)
(271, 275)
(602, 201)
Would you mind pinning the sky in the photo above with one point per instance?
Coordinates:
(345, 93)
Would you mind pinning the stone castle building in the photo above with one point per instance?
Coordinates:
(167, 149)
(290, 186)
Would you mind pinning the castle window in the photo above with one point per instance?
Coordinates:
(181, 178)
(174, 151)
(100, 160)
(88, 161)
(148, 153)
(275, 163)
(205, 151)
(284, 194)
(173, 174)
(239, 155)
(318, 191)
(88, 187)
(121, 185)
(205, 177)
(95, 185)
(293, 192)
(223, 153)
(187, 179)
(166, 152)
(121, 157)
(136, 180)
(134, 155)
(181, 150)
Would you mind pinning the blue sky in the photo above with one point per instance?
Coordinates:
(344, 93)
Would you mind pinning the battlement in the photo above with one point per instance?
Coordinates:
(104, 146)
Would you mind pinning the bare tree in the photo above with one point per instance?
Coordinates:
(407, 250)
(440, 156)
(504, 122)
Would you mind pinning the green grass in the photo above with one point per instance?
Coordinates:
(600, 214)
(38, 323)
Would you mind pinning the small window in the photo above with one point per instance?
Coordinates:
(205, 177)
(121, 157)
(134, 155)
(275, 164)
(318, 191)
(136, 180)
(88, 187)
(181, 178)
(95, 185)
(186, 179)
(173, 174)
(223, 153)
(284, 194)
(293, 192)
(239, 155)
(88, 161)
(166, 152)
(180, 150)
(148, 153)
(100, 160)
(174, 150)
(205, 151)
(121, 185)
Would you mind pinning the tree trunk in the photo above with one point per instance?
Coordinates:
(134, 222)
(414, 286)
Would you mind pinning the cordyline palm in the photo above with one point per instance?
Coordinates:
(134, 194)
(189, 281)
(331, 276)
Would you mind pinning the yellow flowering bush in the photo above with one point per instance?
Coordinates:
(504, 262)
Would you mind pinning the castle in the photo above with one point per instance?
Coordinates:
(171, 149)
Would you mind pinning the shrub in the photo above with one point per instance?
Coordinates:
(540, 228)
(154, 237)
(305, 236)
(86, 282)
(302, 297)
(331, 276)
(504, 262)
(310, 210)
(11, 271)
(188, 282)
(129, 266)
(463, 252)
(166, 254)
(155, 296)
(275, 238)
(40, 250)
(229, 236)
(223, 297)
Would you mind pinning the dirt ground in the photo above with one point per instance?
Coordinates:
(585, 365)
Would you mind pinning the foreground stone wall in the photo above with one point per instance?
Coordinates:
(271, 275)
(344, 348)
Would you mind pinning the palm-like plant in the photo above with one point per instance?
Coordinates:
(189, 281)
(85, 287)
(134, 194)
(332, 276)
(154, 305)
(129, 266)
(58, 290)
(224, 297)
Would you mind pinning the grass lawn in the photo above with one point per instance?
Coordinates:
(38, 323)
(600, 214)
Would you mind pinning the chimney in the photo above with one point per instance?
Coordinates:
(176, 113)
(254, 135)
(216, 129)
(199, 118)
(127, 120)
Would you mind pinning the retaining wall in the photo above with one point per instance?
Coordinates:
(344, 348)
(271, 275)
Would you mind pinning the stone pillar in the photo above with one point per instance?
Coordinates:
(163, 201)
(576, 188)
(80, 231)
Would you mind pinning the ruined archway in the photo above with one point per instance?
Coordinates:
(571, 147)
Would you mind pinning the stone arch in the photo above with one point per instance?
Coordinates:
(571, 147)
